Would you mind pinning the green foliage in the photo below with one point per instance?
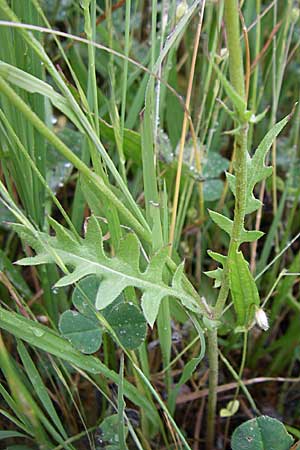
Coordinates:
(226, 224)
(232, 408)
(88, 257)
(262, 433)
(84, 328)
(81, 331)
(14, 275)
(129, 325)
(85, 128)
(256, 169)
(47, 340)
(243, 289)
(107, 435)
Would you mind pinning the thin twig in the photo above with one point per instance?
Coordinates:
(230, 386)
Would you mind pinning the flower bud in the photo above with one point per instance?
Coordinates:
(262, 319)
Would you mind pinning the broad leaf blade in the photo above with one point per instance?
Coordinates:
(262, 433)
(84, 333)
(243, 289)
(129, 325)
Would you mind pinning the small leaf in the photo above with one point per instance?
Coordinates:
(217, 275)
(262, 433)
(243, 289)
(129, 325)
(231, 408)
(83, 332)
(217, 257)
(226, 224)
(251, 236)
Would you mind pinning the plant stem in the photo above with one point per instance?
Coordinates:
(236, 71)
(213, 359)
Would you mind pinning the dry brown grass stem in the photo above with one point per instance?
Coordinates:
(184, 129)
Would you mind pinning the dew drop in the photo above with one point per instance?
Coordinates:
(37, 332)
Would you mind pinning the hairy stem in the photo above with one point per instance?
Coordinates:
(236, 71)
(212, 336)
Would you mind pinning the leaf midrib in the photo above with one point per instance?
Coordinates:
(137, 282)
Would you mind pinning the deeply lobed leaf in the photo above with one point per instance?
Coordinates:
(87, 257)
(256, 168)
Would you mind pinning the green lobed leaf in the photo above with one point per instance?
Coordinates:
(87, 257)
(243, 289)
(226, 224)
(261, 433)
(256, 169)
